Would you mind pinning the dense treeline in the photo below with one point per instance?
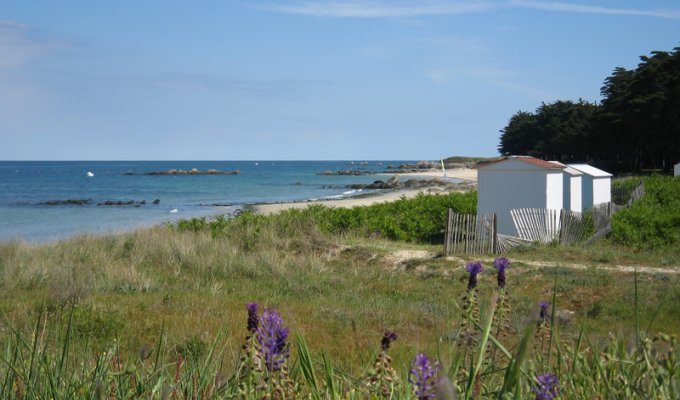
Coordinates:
(636, 126)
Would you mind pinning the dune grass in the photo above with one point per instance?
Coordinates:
(182, 293)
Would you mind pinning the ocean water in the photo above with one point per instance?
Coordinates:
(25, 187)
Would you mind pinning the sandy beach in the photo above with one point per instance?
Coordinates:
(466, 174)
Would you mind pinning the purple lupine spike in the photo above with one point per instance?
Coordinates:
(474, 268)
(253, 320)
(501, 264)
(547, 388)
(388, 338)
(423, 376)
(543, 312)
(272, 335)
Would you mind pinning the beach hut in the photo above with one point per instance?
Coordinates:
(571, 189)
(596, 185)
(676, 169)
(518, 182)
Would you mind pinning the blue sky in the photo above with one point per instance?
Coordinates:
(253, 80)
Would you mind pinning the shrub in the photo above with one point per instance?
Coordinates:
(420, 219)
(654, 221)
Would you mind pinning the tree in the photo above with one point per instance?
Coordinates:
(558, 130)
(636, 126)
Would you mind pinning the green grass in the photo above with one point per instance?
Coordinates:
(182, 291)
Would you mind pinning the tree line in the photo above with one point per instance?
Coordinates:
(636, 126)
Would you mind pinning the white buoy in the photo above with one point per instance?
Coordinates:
(174, 211)
(90, 174)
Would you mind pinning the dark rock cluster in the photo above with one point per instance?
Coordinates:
(192, 171)
(348, 172)
(84, 202)
(395, 183)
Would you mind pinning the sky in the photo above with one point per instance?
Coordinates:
(302, 80)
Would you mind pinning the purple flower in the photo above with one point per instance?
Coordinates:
(501, 264)
(543, 312)
(272, 335)
(387, 339)
(423, 377)
(252, 317)
(547, 388)
(474, 268)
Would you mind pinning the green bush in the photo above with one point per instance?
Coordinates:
(653, 221)
(420, 219)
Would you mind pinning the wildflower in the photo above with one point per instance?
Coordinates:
(474, 268)
(382, 378)
(423, 377)
(252, 317)
(272, 335)
(543, 312)
(387, 339)
(547, 388)
(501, 264)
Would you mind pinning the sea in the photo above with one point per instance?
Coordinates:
(51, 200)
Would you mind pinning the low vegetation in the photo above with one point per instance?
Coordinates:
(654, 221)
(418, 220)
(160, 313)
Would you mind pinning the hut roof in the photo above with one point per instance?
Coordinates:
(526, 159)
(590, 170)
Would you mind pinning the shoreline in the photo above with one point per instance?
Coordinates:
(467, 175)
(58, 224)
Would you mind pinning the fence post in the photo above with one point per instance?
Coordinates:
(494, 234)
(561, 229)
(447, 233)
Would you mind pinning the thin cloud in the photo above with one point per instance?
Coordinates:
(585, 9)
(20, 44)
(396, 9)
(372, 9)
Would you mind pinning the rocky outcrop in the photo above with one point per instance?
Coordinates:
(192, 171)
(348, 172)
(67, 202)
(122, 203)
(84, 202)
(395, 183)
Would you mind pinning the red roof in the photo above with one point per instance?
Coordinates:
(529, 160)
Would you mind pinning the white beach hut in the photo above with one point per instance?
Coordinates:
(676, 169)
(572, 188)
(518, 182)
(596, 185)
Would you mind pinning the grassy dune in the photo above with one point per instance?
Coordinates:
(341, 291)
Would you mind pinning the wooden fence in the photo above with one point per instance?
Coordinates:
(471, 234)
(543, 225)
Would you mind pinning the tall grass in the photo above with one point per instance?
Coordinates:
(54, 362)
(159, 312)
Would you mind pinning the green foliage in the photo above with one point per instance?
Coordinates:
(654, 221)
(465, 160)
(51, 362)
(635, 127)
(559, 130)
(420, 219)
(623, 188)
